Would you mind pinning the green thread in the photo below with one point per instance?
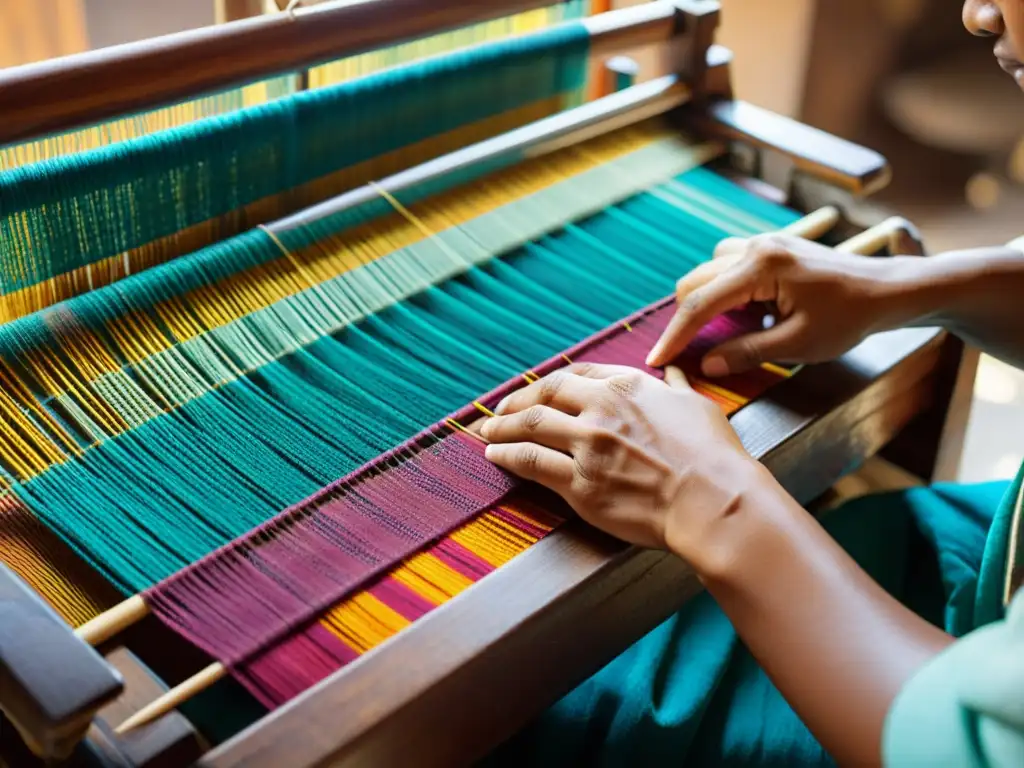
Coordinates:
(324, 396)
(69, 212)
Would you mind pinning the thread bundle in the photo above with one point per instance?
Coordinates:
(332, 73)
(71, 224)
(153, 421)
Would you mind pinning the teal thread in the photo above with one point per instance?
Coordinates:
(142, 505)
(68, 212)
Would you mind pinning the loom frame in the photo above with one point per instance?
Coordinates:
(433, 695)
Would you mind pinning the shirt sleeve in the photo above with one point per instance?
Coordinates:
(966, 706)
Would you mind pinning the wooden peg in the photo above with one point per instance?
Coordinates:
(170, 700)
(111, 622)
(815, 224)
(877, 237)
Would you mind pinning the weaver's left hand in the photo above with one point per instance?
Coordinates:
(648, 462)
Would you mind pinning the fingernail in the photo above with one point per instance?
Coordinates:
(652, 356)
(489, 452)
(500, 407)
(715, 366)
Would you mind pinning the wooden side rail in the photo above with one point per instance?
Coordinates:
(853, 168)
(51, 683)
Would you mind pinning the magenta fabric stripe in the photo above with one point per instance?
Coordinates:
(534, 531)
(303, 659)
(401, 599)
(246, 596)
(462, 560)
(300, 661)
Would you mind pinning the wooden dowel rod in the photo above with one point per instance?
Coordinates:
(874, 239)
(812, 226)
(113, 621)
(71, 92)
(175, 697)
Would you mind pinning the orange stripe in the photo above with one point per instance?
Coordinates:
(431, 578)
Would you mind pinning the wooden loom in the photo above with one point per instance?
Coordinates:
(461, 679)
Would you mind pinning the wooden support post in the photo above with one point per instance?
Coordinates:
(620, 72)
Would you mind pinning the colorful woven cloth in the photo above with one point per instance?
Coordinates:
(244, 603)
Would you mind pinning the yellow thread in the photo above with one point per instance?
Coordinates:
(431, 578)
(363, 622)
(627, 326)
(455, 425)
(483, 408)
(489, 541)
(732, 397)
(414, 220)
(288, 255)
(23, 548)
(566, 358)
(772, 368)
(19, 391)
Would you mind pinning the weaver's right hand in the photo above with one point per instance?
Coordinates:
(825, 302)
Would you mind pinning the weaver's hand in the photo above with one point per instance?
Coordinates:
(648, 462)
(825, 302)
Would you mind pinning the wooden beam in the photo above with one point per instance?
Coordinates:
(61, 94)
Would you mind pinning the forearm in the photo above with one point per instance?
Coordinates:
(978, 295)
(836, 645)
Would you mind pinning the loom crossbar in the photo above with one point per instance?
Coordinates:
(61, 94)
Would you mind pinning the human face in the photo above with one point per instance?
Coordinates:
(1003, 20)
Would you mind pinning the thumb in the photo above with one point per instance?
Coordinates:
(744, 353)
(675, 377)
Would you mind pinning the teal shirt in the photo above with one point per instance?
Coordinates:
(689, 693)
(965, 708)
